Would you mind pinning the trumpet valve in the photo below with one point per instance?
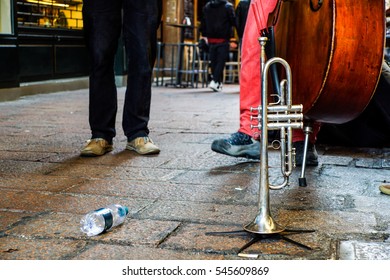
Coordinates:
(255, 117)
(293, 154)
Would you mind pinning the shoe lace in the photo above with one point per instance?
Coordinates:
(239, 138)
(147, 139)
(96, 140)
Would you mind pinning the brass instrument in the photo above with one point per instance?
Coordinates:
(283, 116)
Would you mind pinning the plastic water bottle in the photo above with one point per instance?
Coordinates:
(103, 219)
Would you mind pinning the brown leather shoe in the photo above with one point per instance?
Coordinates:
(96, 147)
(143, 146)
(385, 189)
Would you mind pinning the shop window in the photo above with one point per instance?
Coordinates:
(5, 17)
(50, 13)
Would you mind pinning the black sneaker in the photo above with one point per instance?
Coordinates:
(237, 145)
(311, 157)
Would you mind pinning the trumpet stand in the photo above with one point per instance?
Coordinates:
(282, 116)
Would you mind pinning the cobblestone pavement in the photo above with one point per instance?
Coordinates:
(178, 196)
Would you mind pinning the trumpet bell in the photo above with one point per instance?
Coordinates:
(264, 225)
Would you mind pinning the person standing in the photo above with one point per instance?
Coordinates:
(217, 26)
(104, 22)
(246, 141)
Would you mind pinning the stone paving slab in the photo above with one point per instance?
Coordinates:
(205, 238)
(12, 248)
(157, 190)
(65, 226)
(35, 182)
(23, 156)
(118, 157)
(64, 203)
(197, 212)
(23, 167)
(360, 250)
(329, 222)
(115, 252)
(9, 218)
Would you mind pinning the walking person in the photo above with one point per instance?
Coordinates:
(217, 26)
(104, 22)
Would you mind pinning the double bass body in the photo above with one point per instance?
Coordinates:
(335, 50)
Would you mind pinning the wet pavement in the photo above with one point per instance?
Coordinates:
(177, 197)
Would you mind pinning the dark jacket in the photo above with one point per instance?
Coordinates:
(218, 20)
(241, 15)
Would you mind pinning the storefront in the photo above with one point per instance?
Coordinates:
(41, 40)
(9, 64)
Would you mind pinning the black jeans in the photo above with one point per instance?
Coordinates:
(219, 54)
(103, 23)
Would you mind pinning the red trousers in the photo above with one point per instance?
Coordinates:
(250, 76)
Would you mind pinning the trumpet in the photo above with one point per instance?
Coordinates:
(280, 115)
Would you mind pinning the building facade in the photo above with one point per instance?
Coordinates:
(41, 40)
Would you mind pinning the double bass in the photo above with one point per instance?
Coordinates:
(335, 49)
